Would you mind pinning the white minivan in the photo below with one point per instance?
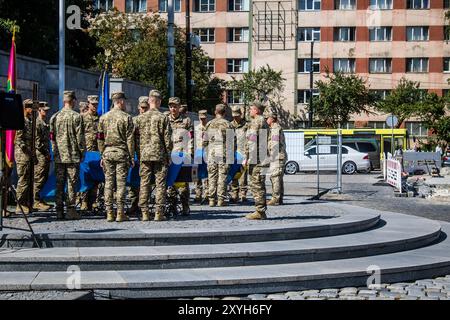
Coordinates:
(352, 160)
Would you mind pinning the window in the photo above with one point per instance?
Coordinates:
(381, 94)
(446, 4)
(206, 34)
(304, 65)
(377, 124)
(103, 5)
(135, 6)
(344, 65)
(205, 5)
(309, 5)
(334, 150)
(350, 145)
(446, 64)
(366, 147)
(308, 34)
(163, 5)
(235, 97)
(344, 34)
(446, 33)
(380, 65)
(416, 128)
(417, 34)
(417, 65)
(238, 34)
(238, 5)
(380, 4)
(380, 34)
(417, 4)
(303, 95)
(237, 65)
(211, 66)
(345, 4)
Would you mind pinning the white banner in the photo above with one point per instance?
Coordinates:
(394, 173)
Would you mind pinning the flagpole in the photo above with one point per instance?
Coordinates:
(62, 53)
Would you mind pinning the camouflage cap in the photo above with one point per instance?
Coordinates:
(155, 93)
(69, 95)
(203, 114)
(259, 105)
(44, 105)
(28, 103)
(174, 100)
(83, 104)
(221, 108)
(92, 99)
(236, 111)
(143, 102)
(118, 95)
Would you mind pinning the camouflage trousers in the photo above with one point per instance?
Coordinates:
(201, 189)
(69, 172)
(23, 172)
(183, 190)
(276, 178)
(239, 186)
(41, 171)
(116, 173)
(146, 170)
(217, 181)
(133, 194)
(258, 187)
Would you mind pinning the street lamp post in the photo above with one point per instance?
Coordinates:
(188, 57)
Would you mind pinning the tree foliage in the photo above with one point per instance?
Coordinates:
(434, 112)
(341, 96)
(404, 101)
(137, 49)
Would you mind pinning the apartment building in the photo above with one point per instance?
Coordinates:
(381, 40)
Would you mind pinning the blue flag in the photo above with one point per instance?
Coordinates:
(104, 102)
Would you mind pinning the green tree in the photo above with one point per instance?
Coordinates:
(434, 112)
(341, 96)
(404, 101)
(135, 46)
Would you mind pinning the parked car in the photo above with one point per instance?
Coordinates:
(352, 160)
(446, 159)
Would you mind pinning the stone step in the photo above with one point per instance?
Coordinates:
(396, 232)
(354, 220)
(409, 265)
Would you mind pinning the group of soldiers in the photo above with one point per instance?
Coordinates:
(153, 138)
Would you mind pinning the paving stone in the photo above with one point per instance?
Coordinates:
(328, 295)
(433, 290)
(434, 287)
(409, 298)
(416, 293)
(436, 294)
(297, 297)
(277, 297)
(424, 282)
(233, 298)
(429, 298)
(367, 293)
(349, 290)
(388, 294)
(203, 298)
(257, 296)
(293, 293)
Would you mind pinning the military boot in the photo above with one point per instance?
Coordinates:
(24, 208)
(145, 216)
(273, 202)
(41, 206)
(59, 214)
(72, 214)
(221, 203)
(121, 217)
(212, 203)
(110, 216)
(84, 205)
(256, 216)
(159, 216)
(186, 210)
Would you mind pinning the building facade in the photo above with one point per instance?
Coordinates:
(380, 40)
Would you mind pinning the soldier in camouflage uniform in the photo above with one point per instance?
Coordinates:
(155, 144)
(90, 119)
(277, 157)
(116, 145)
(182, 138)
(143, 107)
(201, 187)
(256, 159)
(68, 143)
(239, 186)
(216, 134)
(83, 106)
(22, 152)
(42, 168)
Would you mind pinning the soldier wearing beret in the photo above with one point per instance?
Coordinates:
(239, 186)
(201, 188)
(68, 144)
(182, 138)
(116, 145)
(277, 157)
(23, 156)
(42, 168)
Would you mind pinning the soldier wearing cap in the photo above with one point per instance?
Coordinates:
(182, 138)
(216, 133)
(90, 119)
(42, 168)
(201, 187)
(277, 157)
(69, 145)
(155, 144)
(255, 157)
(239, 186)
(23, 156)
(133, 194)
(116, 145)
(83, 106)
